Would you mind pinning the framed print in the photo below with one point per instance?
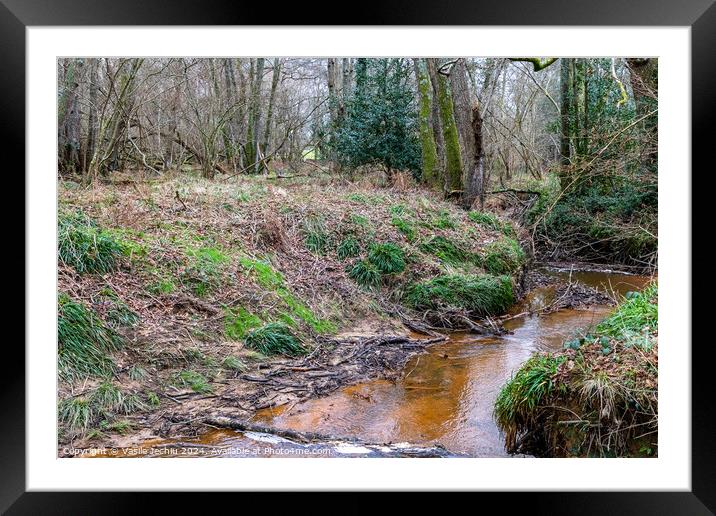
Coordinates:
(425, 249)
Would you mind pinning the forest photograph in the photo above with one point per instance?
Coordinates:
(357, 257)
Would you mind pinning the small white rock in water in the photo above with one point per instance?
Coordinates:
(351, 449)
(267, 438)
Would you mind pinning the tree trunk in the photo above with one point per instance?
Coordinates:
(453, 160)
(269, 115)
(565, 109)
(252, 150)
(475, 180)
(644, 76)
(464, 109)
(92, 115)
(69, 124)
(430, 65)
(431, 171)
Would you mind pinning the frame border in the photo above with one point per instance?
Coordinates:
(700, 15)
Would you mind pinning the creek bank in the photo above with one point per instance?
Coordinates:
(596, 397)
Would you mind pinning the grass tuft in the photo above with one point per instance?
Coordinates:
(365, 274)
(504, 256)
(77, 414)
(348, 248)
(387, 258)
(238, 321)
(84, 246)
(84, 342)
(482, 295)
(192, 379)
(449, 252)
(273, 339)
(233, 363)
(315, 235)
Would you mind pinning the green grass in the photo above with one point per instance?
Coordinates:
(359, 220)
(405, 227)
(639, 311)
(302, 312)
(162, 286)
(119, 315)
(387, 258)
(104, 402)
(348, 248)
(238, 322)
(527, 389)
(153, 399)
(274, 339)
(208, 255)
(489, 220)
(233, 363)
(365, 274)
(444, 220)
(505, 256)
(316, 238)
(264, 273)
(77, 414)
(84, 342)
(482, 295)
(136, 372)
(108, 399)
(449, 252)
(83, 246)
(203, 275)
(192, 379)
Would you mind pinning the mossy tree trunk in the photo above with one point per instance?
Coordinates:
(435, 114)
(453, 159)
(565, 115)
(430, 167)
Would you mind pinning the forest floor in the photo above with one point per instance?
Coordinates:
(220, 298)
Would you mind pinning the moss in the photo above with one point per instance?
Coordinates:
(482, 295)
(430, 171)
(504, 256)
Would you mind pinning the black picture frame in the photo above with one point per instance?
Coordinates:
(700, 15)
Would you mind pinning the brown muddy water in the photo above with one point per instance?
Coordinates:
(446, 395)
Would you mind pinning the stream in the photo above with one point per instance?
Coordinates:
(445, 396)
